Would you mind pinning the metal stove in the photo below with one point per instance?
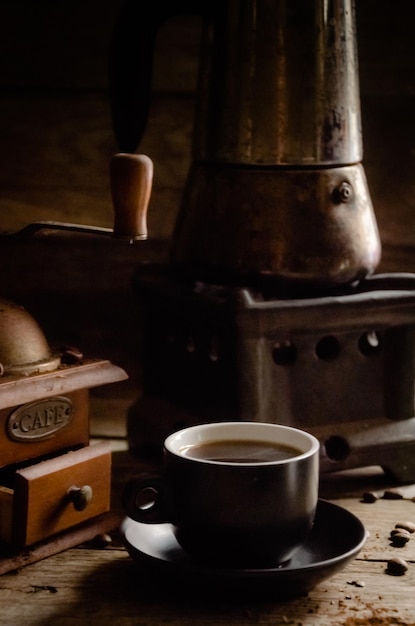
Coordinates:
(339, 365)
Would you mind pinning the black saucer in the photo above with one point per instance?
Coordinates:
(336, 538)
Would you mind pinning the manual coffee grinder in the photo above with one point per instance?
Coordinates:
(268, 308)
(55, 485)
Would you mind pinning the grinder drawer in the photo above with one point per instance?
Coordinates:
(54, 495)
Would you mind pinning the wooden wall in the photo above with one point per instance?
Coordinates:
(56, 142)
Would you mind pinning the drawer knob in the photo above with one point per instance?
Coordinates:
(80, 497)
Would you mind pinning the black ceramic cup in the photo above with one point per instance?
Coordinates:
(239, 494)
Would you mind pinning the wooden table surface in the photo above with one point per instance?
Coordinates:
(91, 585)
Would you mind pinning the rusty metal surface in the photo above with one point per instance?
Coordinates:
(278, 84)
(311, 226)
(339, 365)
(23, 346)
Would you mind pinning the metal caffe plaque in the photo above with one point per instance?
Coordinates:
(39, 420)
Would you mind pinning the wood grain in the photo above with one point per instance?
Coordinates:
(106, 586)
(75, 433)
(41, 504)
(89, 585)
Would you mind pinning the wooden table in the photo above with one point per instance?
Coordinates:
(90, 585)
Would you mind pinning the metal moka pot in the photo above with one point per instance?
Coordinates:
(276, 188)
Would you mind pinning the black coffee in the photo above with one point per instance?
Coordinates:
(241, 451)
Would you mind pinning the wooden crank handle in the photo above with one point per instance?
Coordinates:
(131, 177)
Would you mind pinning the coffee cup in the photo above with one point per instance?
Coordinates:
(238, 494)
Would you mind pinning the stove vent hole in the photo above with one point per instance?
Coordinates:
(337, 448)
(370, 343)
(284, 353)
(328, 348)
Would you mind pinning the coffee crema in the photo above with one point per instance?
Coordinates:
(241, 451)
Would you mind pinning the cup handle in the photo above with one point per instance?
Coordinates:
(143, 499)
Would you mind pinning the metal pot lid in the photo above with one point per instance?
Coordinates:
(23, 346)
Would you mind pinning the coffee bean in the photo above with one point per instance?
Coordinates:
(408, 526)
(397, 531)
(393, 494)
(397, 566)
(357, 583)
(101, 541)
(369, 497)
(400, 539)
